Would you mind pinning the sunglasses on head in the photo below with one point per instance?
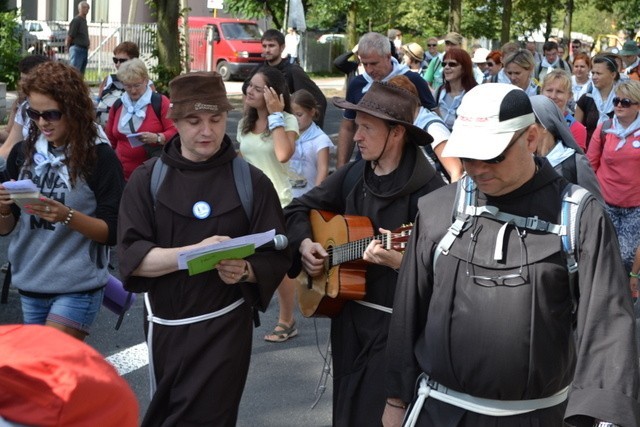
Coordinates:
(450, 64)
(623, 102)
(48, 115)
(500, 157)
(119, 60)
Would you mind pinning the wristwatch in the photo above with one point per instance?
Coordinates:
(158, 139)
(245, 273)
(598, 423)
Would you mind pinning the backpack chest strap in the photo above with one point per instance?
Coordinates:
(530, 223)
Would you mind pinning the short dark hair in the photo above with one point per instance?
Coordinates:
(576, 41)
(272, 35)
(549, 45)
(128, 48)
(28, 63)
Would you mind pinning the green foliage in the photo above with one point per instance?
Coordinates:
(255, 9)
(10, 49)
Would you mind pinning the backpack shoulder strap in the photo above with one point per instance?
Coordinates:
(242, 178)
(574, 198)
(606, 125)
(352, 177)
(156, 104)
(117, 104)
(157, 176)
(465, 196)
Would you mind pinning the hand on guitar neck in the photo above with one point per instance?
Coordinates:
(313, 257)
(376, 253)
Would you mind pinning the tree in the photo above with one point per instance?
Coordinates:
(259, 9)
(167, 42)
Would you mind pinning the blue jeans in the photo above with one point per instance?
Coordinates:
(77, 310)
(78, 57)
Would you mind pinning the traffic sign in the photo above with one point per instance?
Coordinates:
(215, 4)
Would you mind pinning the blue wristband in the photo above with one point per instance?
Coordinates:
(276, 120)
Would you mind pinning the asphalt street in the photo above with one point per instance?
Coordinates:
(285, 379)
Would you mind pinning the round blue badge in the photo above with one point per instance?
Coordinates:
(38, 158)
(201, 210)
(636, 144)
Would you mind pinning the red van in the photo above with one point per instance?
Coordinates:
(236, 47)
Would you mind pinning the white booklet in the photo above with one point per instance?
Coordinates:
(134, 139)
(24, 192)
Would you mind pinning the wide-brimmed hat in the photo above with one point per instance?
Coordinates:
(630, 47)
(414, 50)
(454, 38)
(195, 92)
(480, 55)
(392, 104)
(488, 117)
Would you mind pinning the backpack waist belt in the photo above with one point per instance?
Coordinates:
(176, 322)
(492, 407)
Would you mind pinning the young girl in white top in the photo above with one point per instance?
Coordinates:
(309, 165)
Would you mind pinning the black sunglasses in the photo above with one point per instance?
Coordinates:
(500, 157)
(451, 64)
(119, 60)
(623, 102)
(49, 115)
(490, 64)
(432, 45)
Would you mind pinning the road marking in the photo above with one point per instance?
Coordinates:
(130, 359)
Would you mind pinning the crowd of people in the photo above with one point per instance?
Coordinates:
(512, 303)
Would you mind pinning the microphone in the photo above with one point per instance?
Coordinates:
(278, 243)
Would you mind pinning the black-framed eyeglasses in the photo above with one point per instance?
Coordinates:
(48, 115)
(623, 102)
(119, 60)
(513, 279)
(500, 157)
(450, 64)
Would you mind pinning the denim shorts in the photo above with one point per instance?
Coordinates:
(77, 310)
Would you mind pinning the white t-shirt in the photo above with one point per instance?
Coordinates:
(21, 119)
(304, 162)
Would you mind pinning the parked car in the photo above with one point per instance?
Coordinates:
(330, 38)
(50, 34)
(236, 46)
(29, 41)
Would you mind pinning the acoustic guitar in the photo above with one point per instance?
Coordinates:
(344, 237)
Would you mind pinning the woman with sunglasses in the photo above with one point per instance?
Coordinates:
(135, 129)
(111, 88)
(614, 154)
(494, 65)
(59, 252)
(458, 80)
(595, 105)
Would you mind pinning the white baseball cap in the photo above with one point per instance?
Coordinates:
(488, 117)
(480, 55)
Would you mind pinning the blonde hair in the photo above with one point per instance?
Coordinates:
(522, 57)
(133, 69)
(629, 89)
(562, 76)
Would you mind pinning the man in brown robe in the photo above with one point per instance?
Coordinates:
(199, 365)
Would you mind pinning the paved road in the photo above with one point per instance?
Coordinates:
(283, 378)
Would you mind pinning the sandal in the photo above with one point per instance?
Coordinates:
(284, 333)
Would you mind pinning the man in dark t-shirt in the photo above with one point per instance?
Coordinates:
(77, 41)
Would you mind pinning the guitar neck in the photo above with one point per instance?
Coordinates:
(353, 251)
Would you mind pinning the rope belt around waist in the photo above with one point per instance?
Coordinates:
(374, 306)
(176, 322)
(491, 407)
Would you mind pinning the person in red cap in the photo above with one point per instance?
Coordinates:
(49, 379)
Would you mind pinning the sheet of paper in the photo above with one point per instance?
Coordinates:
(22, 186)
(257, 240)
(134, 139)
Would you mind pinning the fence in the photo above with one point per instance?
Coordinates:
(315, 57)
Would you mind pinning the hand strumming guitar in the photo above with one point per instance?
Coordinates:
(376, 253)
(313, 256)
